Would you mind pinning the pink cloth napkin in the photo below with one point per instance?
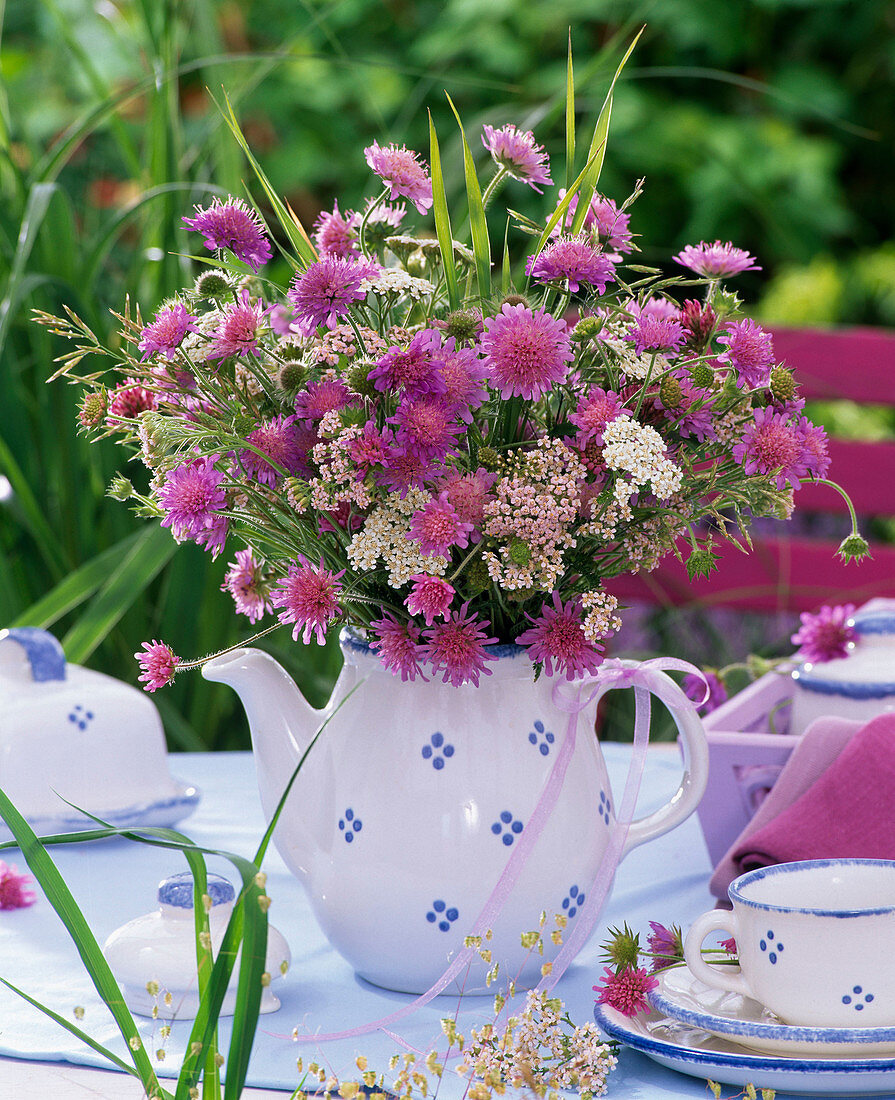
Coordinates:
(834, 797)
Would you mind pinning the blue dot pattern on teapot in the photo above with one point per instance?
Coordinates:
(771, 946)
(572, 902)
(442, 915)
(437, 750)
(350, 825)
(81, 717)
(605, 807)
(857, 998)
(541, 737)
(507, 827)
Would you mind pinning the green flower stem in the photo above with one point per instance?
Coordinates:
(362, 231)
(494, 186)
(843, 494)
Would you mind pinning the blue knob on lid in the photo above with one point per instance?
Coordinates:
(177, 890)
(45, 655)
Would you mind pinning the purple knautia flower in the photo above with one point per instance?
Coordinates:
(695, 687)
(128, 400)
(427, 426)
(468, 494)
(826, 636)
(192, 498)
(246, 583)
(371, 448)
(772, 444)
(716, 261)
(335, 234)
(404, 470)
(165, 332)
(557, 636)
(526, 352)
(415, 369)
(328, 394)
(237, 333)
(158, 663)
(693, 413)
(309, 597)
(430, 597)
(653, 307)
(326, 290)
(749, 350)
(626, 990)
(604, 218)
(594, 412)
(436, 527)
(572, 260)
(652, 333)
(463, 372)
(234, 225)
(383, 219)
(281, 320)
(814, 448)
(457, 648)
(517, 152)
(281, 441)
(14, 888)
(666, 946)
(398, 645)
(401, 169)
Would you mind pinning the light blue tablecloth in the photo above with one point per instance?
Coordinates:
(114, 881)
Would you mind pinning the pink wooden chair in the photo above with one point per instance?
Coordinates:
(797, 572)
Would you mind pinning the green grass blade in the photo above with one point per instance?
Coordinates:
(150, 552)
(506, 274)
(443, 220)
(39, 198)
(478, 223)
(59, 896)
(570, 118)
(31, 514)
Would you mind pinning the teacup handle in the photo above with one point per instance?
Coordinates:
(696, 769)
(717, 920)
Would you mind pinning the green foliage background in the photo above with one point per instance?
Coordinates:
(767, 122)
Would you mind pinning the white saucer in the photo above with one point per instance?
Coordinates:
(694, 1052)
(741, 1020)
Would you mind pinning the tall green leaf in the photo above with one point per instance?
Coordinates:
(570, 117)
(443, 220)
(478, 223)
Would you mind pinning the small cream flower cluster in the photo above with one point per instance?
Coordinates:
(639, 451)
(397, 283)
(535, 511)
(338, 481)
(600, 618)
(383, 537)
(340, 342)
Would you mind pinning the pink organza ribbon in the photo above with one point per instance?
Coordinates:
(645, 678)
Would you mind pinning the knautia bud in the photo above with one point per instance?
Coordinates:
(854, 548)
(586, 329)
(782, 384)
(243, 424)
(477, 576)
(513, 300)
(489, 458)
(701, 562)
(290, 350)
(702, 375)
(93, 407)
(214, 284)
(726, 303)
(519, 551)
(670, 392)
(359, 381)
(120, 488)
(462, 324)
(291, 377)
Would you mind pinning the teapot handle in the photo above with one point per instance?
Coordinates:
(696, 769)
(44, 656)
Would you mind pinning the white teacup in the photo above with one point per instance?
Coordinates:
(814, 941)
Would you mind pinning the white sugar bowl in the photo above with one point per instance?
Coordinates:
(859, 686)
(153, 957)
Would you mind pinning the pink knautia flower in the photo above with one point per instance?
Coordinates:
(309, 597)
(557, 637)
(653, 307)
(572, 260)
(129, 400)
(457, 648)
(405, 470)
(158, 663)
(730, 946)
(749, 350)
(327, 394)
(398, 645)
(165, 332)
(192, 498)
(426, 425)
(369, 449)
(814, 448)
(652, 333)
(526, 352)
(468, 493)
(597, 409)
(282, 441)
(326, 291)
(430, 597)
(666, 944)
(699, 322)
(517, 152)
(335, 234)
(694, 687)
(604, 218)
(415, 369)
(826, 636)
(246, 583)
(716, 261)
(383, 218)
(626, 990)
(772, 444)
(282, 321)
(401, 169)
(14, 888)
(234, 225)
(436, 527)
(463, 373)
(238, 331)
